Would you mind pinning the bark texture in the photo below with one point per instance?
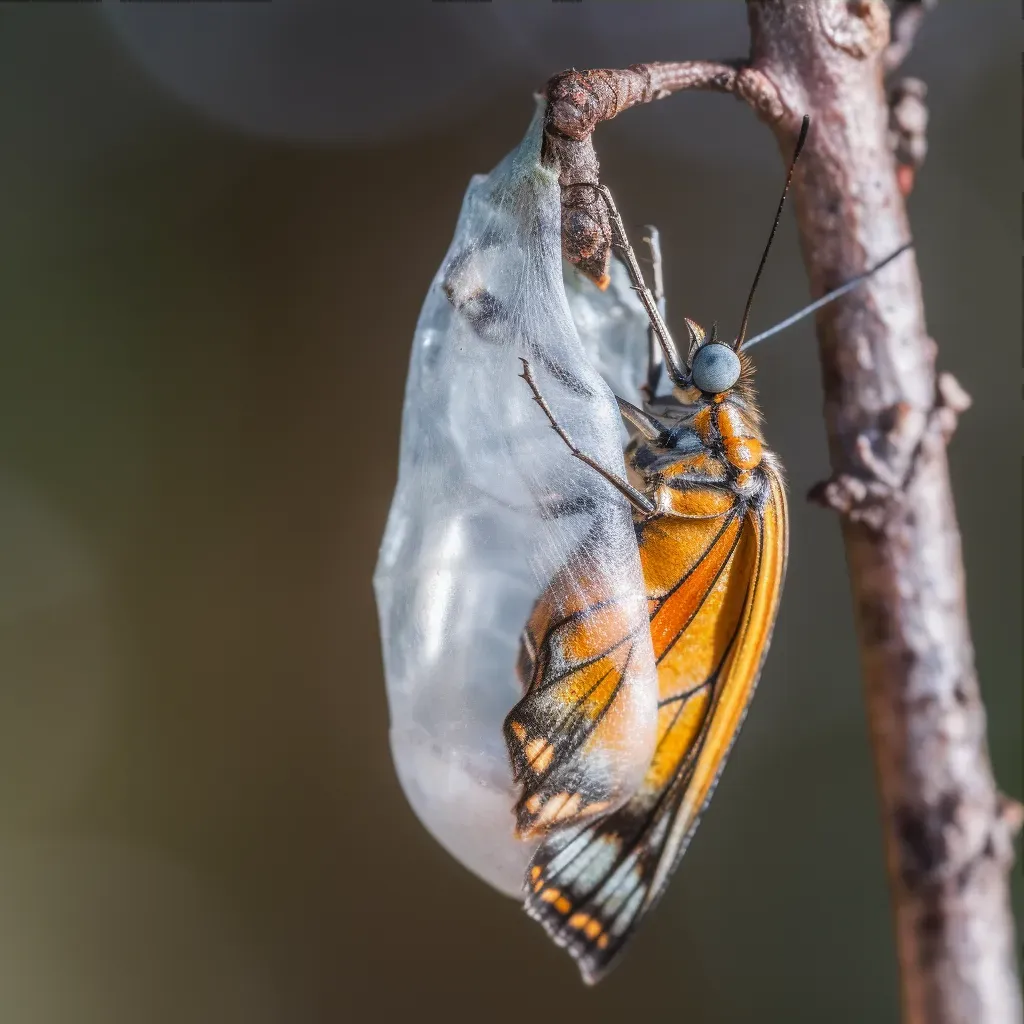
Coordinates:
(948, 831)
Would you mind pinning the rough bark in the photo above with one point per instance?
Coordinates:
(948, 831)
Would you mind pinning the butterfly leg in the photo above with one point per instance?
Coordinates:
(655, 360)
(636, 498)
(673, 363)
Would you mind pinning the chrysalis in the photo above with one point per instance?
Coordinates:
(488, 510)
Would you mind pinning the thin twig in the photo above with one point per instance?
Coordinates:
(908, 130)
(908, 113)
(579, 100)
(907, 16)
(948, 831)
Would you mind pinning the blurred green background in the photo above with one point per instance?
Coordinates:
(218, 224)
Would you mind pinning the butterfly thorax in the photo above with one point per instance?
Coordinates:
(712, 440)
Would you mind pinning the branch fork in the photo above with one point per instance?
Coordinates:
(580, 100)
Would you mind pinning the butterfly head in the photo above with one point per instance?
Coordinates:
(712, 367)
(715, 368)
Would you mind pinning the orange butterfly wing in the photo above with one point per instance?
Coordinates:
(581, 737)
(714, 582)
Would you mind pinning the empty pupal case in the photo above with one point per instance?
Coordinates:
(470, 540)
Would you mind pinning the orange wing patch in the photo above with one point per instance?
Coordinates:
(711, 625)
(581, 737)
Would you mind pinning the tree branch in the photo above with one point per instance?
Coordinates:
(948, 832)
(579, 100)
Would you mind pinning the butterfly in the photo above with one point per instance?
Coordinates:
(711, 526)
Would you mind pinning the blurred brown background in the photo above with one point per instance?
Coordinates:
(218, 224)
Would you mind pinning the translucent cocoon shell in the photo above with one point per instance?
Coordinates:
(468, 547)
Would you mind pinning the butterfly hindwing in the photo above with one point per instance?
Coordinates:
(576, 739)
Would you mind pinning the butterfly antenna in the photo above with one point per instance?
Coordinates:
(826, 299)
(778, 216)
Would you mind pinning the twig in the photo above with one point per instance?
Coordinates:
(948, 832)
(908, 114)
(907, 16)
(908, 126)
(580, 100)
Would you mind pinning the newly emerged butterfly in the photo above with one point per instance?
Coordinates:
(709, 509)
(711, 528)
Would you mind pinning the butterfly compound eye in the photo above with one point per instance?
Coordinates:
(716, 368)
